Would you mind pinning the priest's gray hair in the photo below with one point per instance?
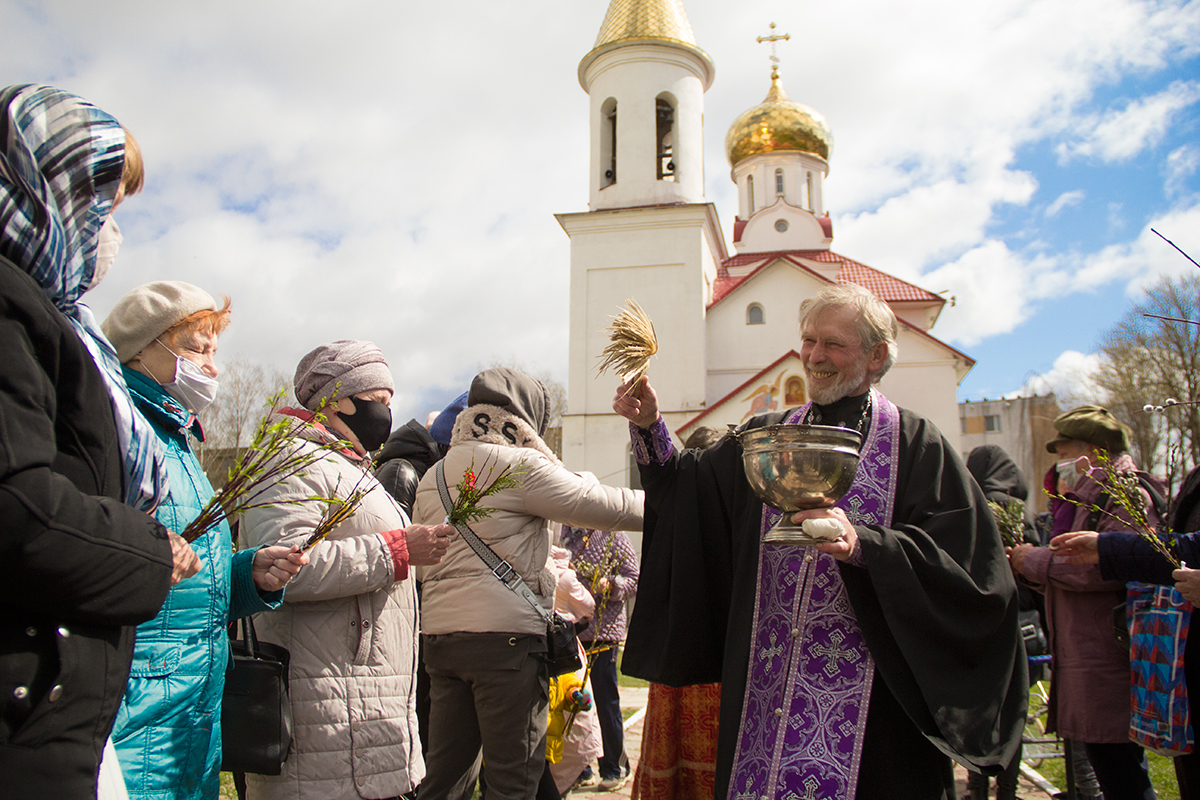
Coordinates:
(876, 322)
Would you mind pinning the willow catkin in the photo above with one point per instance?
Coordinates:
(631, 344)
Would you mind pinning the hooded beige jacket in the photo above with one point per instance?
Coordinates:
(460, 595)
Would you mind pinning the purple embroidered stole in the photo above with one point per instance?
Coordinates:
(809, 677)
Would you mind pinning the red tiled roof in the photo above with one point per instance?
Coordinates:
(887, 287)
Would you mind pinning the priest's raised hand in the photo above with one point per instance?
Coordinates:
(639, 406)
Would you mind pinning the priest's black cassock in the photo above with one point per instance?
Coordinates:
(932, 594)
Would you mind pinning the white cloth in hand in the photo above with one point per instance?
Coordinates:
(829, 529)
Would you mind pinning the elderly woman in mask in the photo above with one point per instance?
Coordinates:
(81, 560)
(168, 730)
(350, 617)
(485, 645)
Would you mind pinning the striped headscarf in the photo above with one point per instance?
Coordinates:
(61, 160)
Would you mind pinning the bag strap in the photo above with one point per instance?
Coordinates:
(503, 571)
(249, 636)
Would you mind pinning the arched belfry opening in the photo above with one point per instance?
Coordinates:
(664, 113)
(608, 143)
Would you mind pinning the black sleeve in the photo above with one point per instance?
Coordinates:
(64, 549)
(696, 544)
(1126, 556)
(400, 479)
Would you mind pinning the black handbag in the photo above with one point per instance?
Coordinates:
(562, 646)
(256, 715)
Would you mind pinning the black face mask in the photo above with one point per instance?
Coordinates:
(371, 422)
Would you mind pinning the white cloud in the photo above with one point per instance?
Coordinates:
(1072, 379)
(1064, 200)
(1147, 258)
(1119, 135)
(994, 289)
(1182, 163)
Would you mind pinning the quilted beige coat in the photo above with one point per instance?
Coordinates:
(352, 632)
(460, 595)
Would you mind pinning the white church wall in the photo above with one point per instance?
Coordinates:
(782, 227)
(736, 350)
(663, 258)
(924, 380)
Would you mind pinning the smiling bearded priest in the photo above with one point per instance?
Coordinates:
(858, 666)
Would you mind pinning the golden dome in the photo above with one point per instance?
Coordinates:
(646, 21)
(776, 124)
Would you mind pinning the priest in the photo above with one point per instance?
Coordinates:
(857, 667)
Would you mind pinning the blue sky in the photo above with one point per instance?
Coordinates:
(390, 171)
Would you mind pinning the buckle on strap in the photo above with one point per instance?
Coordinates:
(506, 574)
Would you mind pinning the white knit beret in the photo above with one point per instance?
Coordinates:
(149, 311)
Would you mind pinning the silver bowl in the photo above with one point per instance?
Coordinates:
(797, 468)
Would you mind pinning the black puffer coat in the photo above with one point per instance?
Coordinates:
(78, 568)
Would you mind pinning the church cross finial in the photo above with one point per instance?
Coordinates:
(773, 38)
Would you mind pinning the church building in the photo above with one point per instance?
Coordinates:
(727, 323)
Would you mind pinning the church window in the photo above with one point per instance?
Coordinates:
(608, 143)
(665, 132)
(779, 182)
(755, 314)
(809, 193)
(781, 225)
(750, 195)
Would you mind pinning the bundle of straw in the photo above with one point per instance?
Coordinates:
(632, 343)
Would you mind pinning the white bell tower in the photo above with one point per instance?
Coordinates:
(648, 235)
(646, 79)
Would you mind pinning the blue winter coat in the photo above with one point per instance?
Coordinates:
(168, 729)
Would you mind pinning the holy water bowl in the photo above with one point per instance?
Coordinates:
(797, 468)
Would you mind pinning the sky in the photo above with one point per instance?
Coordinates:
(389, 170)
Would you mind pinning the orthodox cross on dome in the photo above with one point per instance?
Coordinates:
(773, 38)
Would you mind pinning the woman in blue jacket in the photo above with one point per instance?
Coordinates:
(168, 729)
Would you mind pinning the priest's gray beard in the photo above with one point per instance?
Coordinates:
(845, 383)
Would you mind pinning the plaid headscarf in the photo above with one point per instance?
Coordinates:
(61, 160)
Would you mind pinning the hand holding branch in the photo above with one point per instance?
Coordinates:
(427, 543)
(274, 566)
(1078, 547)
(187, 563)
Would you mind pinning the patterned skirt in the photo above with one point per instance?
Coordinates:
(679, 744)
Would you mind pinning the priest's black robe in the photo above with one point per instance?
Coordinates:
(936, 601)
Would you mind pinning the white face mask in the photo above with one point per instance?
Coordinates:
(106, 250)
(1068, 473)
(191, 387)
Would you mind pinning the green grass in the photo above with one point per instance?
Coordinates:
(1162, 770)
(1162, 773)
(626, 680)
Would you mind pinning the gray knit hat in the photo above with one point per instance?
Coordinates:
(341, 369)
(149, 311)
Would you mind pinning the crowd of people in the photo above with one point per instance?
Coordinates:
(863, 665)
